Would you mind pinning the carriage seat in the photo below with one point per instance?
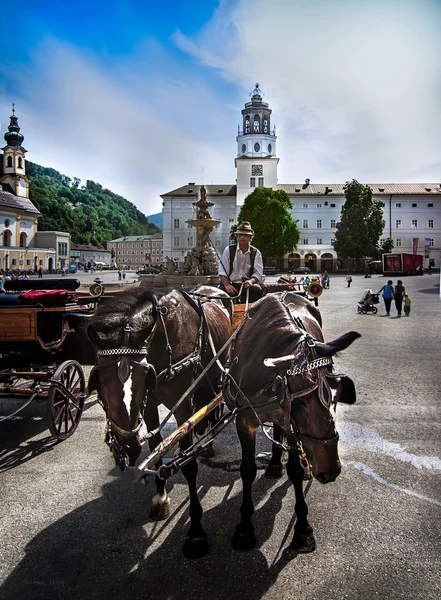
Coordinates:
(25, 285)
(9, 299)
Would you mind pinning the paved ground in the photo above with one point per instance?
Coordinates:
(73, 527)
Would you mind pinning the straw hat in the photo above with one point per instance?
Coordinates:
(244, 229)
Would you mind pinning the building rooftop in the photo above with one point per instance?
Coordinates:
(193, 189)
(9, 200)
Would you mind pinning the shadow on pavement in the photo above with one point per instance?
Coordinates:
(104, 549)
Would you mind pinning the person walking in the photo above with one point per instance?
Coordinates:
(348, 279)
(119, 275)
(242, 264)
(388, 294)
(399, 292)
(40, 273)
(124, 275)
(407, 304)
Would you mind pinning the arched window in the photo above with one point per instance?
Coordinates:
(20, 162)
(9, 161)
(7, 238)
(23, 239)
(265, 126)
(256, 124)
(247, 125)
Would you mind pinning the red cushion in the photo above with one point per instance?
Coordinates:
(50, 297)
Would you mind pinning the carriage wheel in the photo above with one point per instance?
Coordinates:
(359, 310)
(65, 400)
(374, 310)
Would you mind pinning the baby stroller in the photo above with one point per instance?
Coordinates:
(367, 302)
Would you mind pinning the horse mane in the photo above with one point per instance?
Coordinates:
(126, 303)
(271, 316)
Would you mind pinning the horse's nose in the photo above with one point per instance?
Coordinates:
(329, 476)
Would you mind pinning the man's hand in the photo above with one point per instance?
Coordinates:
(230, 289)
(248, 283)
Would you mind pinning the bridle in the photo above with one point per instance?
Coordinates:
(128, 358)
(315, 369)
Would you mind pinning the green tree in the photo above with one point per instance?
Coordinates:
(269, 214)
(89, 213)
(361, 223)
(385, 247)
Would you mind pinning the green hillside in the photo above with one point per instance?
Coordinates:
(89, 212)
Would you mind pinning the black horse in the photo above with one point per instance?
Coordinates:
(149, 353)
(281, 373)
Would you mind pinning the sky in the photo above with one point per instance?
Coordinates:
(144, 96)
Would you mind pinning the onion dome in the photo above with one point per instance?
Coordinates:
(13, 136)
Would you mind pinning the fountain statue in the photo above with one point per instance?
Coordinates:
(202, 259)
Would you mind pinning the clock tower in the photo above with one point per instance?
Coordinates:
(256, 161)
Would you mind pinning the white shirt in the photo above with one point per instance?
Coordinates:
(241, 265)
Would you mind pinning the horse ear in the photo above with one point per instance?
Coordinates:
(93, 336)
(341, 343)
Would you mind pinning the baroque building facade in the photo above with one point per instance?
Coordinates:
(22, 247)
(412, 211)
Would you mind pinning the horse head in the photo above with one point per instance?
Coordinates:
(122, 375)
(287, 360)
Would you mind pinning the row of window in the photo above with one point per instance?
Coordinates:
(414, 224)
(19, 164)
(138, 252)
(7, 237)
(148, 245)
(397, 205)
(260, 182)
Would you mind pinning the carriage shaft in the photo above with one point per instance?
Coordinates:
(179, 433)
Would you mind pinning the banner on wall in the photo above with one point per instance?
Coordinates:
(415, 245)
(426, 247)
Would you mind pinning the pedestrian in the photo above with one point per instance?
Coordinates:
(388, 294)
(399, 292)
(40, 273)
(407, 303)
(242, 265)
(328, 282)
(119, 275)
(348, 279)
(124, 275)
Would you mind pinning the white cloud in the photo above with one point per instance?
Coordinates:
(132, 129)
(354, 86)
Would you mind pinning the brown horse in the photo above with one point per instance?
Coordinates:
(281, 373)
(149, 353)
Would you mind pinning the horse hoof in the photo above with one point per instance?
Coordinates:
(273, 471)
(207, 452)
(195, 547)
(243, 541)
(303, 542)
(160, 512)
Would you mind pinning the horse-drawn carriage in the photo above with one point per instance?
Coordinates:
(275, 368)
(38, 350)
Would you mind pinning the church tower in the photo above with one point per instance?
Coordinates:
(256, 161)
(14, 169)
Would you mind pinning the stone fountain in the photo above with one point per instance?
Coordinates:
(201, 263)
(202, 260)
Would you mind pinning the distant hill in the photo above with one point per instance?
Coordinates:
(89, 212)
(156, 219)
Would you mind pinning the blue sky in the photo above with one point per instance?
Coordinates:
(144, 96)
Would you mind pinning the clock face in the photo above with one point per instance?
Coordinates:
(270, 148)
(257, 170)
(256, 147)
(244, 148)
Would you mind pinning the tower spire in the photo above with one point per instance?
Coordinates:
(13, 136)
